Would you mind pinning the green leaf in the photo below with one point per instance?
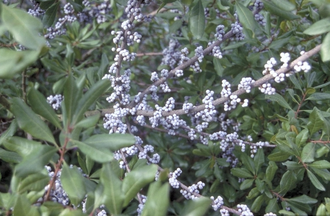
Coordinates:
(24, 27)
(90, 97)
(23, 207)
(323, 173)
(293, 165)
(246, 17)
(113, 142)
(29, 122)
(101, 155)
(315, 181)
(271, 170)
(33, 182)
(113, 194)
(88, 122)
(13, 62)
(50, 15)
(40, 106)
(258, 203)
(247, 183)
(321, 164)
(321, 210)
(279, 99)
(71, 96)
(288, 181)
(10, 157)
(197, 20)
(218, 67)
(197, 207)
(325, 48)
(322, 151)
(302, 137)
(272, 206)
(316, 121)
(248, 162)
(284, 5)
(9, 132)
(73, 184)
(259, 159)
(319, 96)
(319, 27)
(303, 199)
(22, 146)
(278, 156)
(137, 179)
(308, 153)
(241, 173)
(36, 161)
(157, 199)
(274, 9)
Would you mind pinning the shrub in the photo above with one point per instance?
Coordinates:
(184, 107)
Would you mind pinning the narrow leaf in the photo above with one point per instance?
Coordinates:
(113, 142)
(279, 99)
(73, 184)
(22, 146)
(137, 179)
(40, 106)
(315, 181)
(157, 199)
(101, 155)
(325, 49)
(113, 194)
(197, 207)
(29, 122)
(197, 20)
(321, 164)
(308, 153)
(319, 27)
(36, 161)
(90, 97)
(246, 17)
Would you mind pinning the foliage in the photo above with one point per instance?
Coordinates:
(116, 107)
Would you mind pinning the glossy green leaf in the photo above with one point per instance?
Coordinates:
(308, 153)
(323, 173)
(321, 164)
(274, 9)
(248, 162)
(24, 27)
(315, 181)
(13, 62)
(33, 182)
(316, 121)
(29, 122)
(90, 97)
(73, 184)
(321, 210)
(36, 161)
(319, 96)
(197, 20)
(272, 206)
(137, 179)
(40, 106)
(10, 157)
(325, 48)
(253, 193)
(258, 203)
(246, 17)
(197, 207)
(302, 137)
(247, 183)
(71, 96)
(293, 165)
(23, 207)
(278, 156)
(322, 151)
(113, 142)
(284, 5)
(279, 99)
(71, 212)
(9, 132)
(304, 199)
(288, 181)
(50, 15)
(259, 159)
(271, 170)
(101, 155)
(218, 67)
(241, 173)
(22, 146)
(157, 199)
(113, 194)
(88, 122)
(319, 27)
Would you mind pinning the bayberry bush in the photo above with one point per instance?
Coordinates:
(173, 107)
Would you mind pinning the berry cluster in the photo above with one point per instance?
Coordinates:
(55, 101)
